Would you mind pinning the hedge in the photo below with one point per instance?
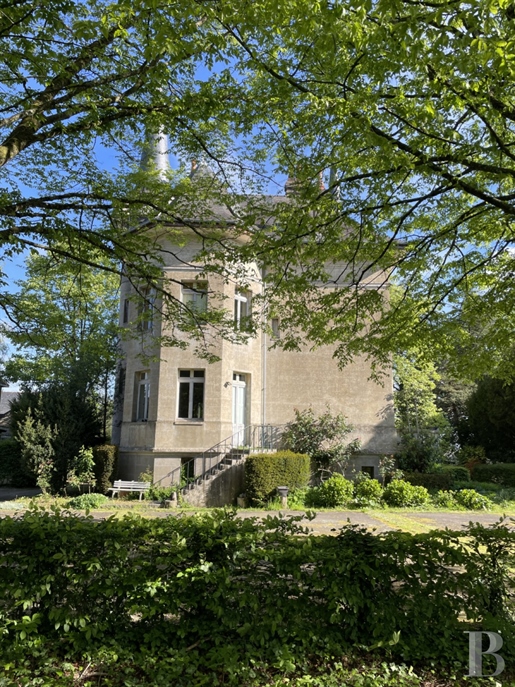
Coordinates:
(501, 473)
(429, 480)
(458, 473)
(207, 594)
(106, 462)
(264, 472)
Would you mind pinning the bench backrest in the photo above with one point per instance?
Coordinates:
(119, 484)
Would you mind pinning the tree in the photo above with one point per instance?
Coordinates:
(65, 423)
(424, 430)
(79, 78)
(35, 437)
(491, 421)
(66, 328)
(409, 104)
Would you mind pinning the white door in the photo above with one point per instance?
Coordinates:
(239, 402)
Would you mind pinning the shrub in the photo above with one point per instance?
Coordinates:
(11, 470)
(500, 473)
(157, 493)
(445, 499)
(245, 590)
(400, 493)
(457, 473)
(322, 438)
(80, 468)
(264, 472)
(368, 491)
(86, 501)
(333, 493)
(35, 439)
(429, 480)
(471, 500)
(418, 453)
(471, 455)
(388, 469)
(486, 488)
(106, 458)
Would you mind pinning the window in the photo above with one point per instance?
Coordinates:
(125, 315)
(194, 295)
(242, 310)
(191, 395)
(369, 470)
(275, 325)
(146, 308)
(142, 396)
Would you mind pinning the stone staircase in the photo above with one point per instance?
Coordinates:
(221, 478)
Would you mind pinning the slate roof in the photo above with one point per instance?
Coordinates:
(5, 411)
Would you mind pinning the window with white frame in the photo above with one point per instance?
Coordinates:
(190, 404)
(275, 325)
(194, 295)
(242, 311)
(147, 298)
(141, 396)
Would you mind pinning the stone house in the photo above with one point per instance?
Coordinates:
(175, 408)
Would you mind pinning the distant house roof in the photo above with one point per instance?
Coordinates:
(5, 411)
(5, 400)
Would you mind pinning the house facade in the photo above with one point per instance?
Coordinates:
(178, 406)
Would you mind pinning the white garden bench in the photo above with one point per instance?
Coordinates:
(124, 485)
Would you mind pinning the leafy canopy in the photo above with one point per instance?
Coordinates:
(410, 104)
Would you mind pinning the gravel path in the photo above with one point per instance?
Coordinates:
(325, 522)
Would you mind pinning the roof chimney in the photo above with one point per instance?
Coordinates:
(291, 186)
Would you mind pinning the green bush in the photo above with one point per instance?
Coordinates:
(486, 488)
(469, 455)
(246, 591)
(87, 501)
(333, 493)
(445, 499)
(400, 493)
(471, 500)
(106, 459)
(500, 473)
(264, 472)
(429, 480)
(457, 472)
(11, 469)
(368, 491)
(157, 493)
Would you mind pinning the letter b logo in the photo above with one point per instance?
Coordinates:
(476, 653)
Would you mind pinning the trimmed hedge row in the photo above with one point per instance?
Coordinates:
(433, 481)
(264, 472)
(214, 593)
(458, 473)
(501, 473)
